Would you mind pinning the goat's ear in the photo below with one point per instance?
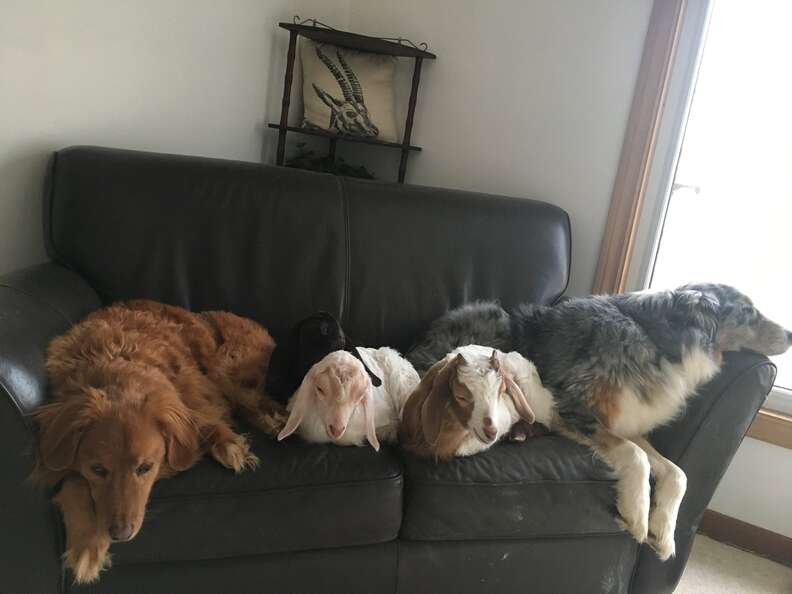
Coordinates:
(435, 406)
(519, 400)
(299, 405)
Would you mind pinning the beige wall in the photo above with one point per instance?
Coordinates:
(527, 97)
(182, 76)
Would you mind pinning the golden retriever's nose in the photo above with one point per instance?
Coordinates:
(120, 531)
(335, 431)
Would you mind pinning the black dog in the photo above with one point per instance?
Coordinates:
(310, 340)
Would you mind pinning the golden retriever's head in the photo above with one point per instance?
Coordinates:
(120, 446)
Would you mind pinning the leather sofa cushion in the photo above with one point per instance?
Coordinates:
(301, 497)
(545, 487)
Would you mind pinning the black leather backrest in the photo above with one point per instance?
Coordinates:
(263, 242)
(276, 244)
(416, 252)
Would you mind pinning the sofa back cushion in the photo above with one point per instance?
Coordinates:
(264, 242)
(276, 244)
(415, 252)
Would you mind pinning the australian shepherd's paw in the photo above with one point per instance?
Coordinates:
(661, 535)
(634, 517)
(87, 562)
(637, 528)
(235, 454)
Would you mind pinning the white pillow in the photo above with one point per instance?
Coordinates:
(348, 92)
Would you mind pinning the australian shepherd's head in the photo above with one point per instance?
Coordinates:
(739, 324)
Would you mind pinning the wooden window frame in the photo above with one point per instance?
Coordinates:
(650, 151)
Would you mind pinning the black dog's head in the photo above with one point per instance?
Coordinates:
(740, 324)
(316, 336)
(310, 340)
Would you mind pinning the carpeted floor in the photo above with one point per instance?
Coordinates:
(718, 568)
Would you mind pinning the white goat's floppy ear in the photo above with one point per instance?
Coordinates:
(299, 404)
(519, 400)
(368, 416)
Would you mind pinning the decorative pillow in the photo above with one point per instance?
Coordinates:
(348, 92)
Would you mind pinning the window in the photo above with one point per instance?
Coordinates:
(729, 214)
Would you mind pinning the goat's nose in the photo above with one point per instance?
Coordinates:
(121, 531)
(490, 432)
(336, 431)
(487, 422)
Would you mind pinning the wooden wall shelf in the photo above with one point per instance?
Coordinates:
(357, 42)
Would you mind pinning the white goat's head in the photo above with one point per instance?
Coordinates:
(351, 115)
(332, 389)
(465, 392)
(485, 382)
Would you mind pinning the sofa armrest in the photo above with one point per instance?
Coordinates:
(703, 443)
(36, 304)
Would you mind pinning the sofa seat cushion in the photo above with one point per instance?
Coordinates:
(545, 487)
(301, 497)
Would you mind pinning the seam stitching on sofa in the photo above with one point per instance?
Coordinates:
(49, 238)
(253, 555)
(569, 257)
(256, 492)
(608, 482)
(521, 538)
(345, 304)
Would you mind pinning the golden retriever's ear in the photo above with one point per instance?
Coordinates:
(60, 432)
(62, 425)
(435, 406)
(182, 441)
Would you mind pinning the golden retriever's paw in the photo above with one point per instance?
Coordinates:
(235, 454)
(275, 421)
(87, 563)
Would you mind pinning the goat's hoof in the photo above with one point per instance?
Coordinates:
(87, 563)
(235, 454)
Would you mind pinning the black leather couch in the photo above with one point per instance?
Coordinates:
(275, 244)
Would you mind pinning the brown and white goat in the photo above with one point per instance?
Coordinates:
(469, 400)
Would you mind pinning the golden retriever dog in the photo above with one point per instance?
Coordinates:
(141, 391)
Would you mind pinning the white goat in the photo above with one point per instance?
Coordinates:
(337, 403)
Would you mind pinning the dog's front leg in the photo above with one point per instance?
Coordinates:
(86, 542)
(632, 489)
(670, 487)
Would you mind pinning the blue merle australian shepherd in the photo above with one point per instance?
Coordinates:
(619, 366)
